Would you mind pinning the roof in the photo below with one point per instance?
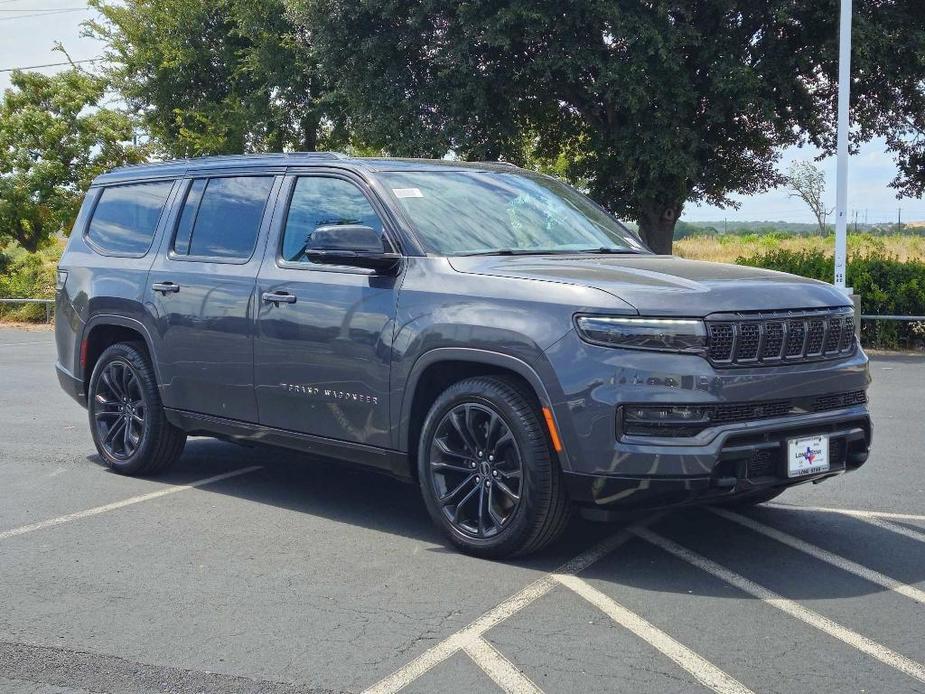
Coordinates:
(280, 161)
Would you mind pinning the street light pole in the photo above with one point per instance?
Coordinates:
(841, 176)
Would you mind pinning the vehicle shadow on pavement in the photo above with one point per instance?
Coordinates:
(347, 494)
(351, 495)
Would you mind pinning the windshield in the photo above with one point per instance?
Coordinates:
(480, 212)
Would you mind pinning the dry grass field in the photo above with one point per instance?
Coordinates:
(726, 249)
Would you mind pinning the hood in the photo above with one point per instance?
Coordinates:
(665, 285)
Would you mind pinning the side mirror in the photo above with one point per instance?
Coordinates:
(354, 245)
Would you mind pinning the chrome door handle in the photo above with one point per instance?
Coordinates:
(165, 287)
(278, 298)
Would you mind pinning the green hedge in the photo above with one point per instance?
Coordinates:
(886, 286)
(25, 275)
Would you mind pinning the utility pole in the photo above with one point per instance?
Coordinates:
(841, 179)
(899, 221)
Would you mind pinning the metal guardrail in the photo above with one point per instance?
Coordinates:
(49, 305)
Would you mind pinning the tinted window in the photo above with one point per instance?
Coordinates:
(221, 217)
(319, 201)
(126, 216)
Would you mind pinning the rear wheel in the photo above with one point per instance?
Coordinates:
(486, 471)
(127, 421)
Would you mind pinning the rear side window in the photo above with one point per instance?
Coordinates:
(221, 217)
(319, 201)
(126, 217)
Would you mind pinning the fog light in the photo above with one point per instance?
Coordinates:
(665, 420)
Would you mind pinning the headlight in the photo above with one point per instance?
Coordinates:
(665, 334)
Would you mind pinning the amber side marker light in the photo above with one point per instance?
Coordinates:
(553, 434)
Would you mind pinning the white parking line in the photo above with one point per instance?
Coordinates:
(853, 512)
(824, 555)
(409, 672)
(703, 670)
(23, 529)
(17, 344)
(875, 518)
(794, 609)
(499, 668)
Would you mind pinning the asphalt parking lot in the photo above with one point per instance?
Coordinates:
(256, 570)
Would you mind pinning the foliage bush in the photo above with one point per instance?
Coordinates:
(886, 286)
(25, 275)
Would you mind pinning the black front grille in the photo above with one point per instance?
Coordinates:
(767, 339)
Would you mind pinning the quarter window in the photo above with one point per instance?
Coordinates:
(221, 217)
(320, 201)
(126, 217)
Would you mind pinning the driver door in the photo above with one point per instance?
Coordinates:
(324, 332)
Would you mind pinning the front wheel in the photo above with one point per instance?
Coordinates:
(486, 470)
(127, 421)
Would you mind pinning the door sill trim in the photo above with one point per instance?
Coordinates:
(386, 460)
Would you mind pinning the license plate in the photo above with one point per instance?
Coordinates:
(807, 455)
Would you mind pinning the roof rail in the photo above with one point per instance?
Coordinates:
(499, 163)
(192, 161)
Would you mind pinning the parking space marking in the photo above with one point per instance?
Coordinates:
(409, 672)
(501, 670)
(17, 344)
(824, 555)
(794, 609)
(703, 670)
(51, 522)
(854, 512)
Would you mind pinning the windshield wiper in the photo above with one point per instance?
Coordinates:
(610, 251)
(515, 251)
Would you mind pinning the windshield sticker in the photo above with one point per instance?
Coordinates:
(408, 192)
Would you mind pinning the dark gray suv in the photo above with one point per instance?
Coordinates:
(487, 332)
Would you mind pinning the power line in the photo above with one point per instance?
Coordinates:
(44, 14)
(45, 9)
(67, 62)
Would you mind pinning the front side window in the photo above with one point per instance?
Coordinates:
(484, 212)
(125, 217)
(321, 201)
(221, 217)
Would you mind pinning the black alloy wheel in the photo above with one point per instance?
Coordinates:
(127, 420)
(487, 471)
(119, 410)
(477, 470)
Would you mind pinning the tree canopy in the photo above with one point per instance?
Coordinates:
(214, 76)
(55, 137)
(650, 105)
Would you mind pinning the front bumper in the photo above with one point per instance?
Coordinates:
(740, 462)
(605, 468)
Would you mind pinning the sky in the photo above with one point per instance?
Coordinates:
(26, 41)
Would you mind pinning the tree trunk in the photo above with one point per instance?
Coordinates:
(656, 226)
(309, 127)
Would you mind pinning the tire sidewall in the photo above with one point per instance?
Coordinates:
(534, 457)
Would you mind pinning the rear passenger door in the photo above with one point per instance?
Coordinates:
(323, 346)
(201, 289)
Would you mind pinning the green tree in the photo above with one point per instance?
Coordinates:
(651, 105)
(214, 76)
(55, 137)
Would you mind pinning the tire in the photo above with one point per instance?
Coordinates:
(483, 444)
(752, 500)
(127, 421)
